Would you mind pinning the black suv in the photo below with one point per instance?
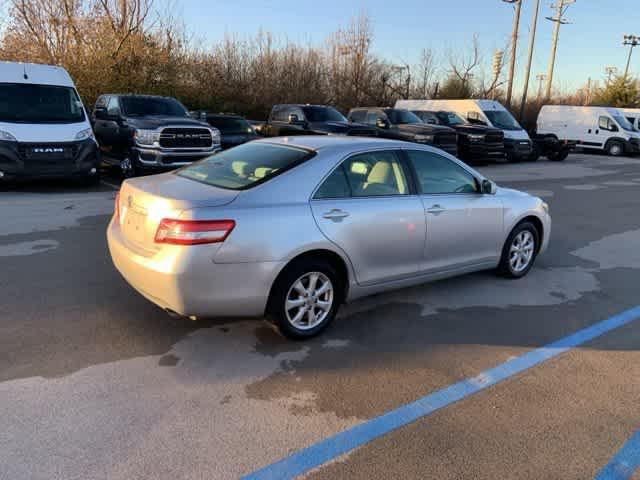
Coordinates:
(234, 129)
(403, 125)
(299, 119)
(476, 143)
(143, 133)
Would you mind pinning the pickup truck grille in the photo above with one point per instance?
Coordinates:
(445, 139)
(494, 137)
(47, 151)
(175, 137)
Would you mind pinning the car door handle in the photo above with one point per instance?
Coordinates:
(435, 209)
(335, 214)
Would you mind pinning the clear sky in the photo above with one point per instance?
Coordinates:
(402, 28)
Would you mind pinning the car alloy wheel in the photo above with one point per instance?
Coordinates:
(521, 251)
(309, 301)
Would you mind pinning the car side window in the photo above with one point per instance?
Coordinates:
(372, 117)
(101, 102)
(280, 114)
(439, 175)
(334, 186)
(358, 116)
(113, 108)
(376, 174)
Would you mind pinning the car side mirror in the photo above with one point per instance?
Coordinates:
(381, 123)
(101, 113)
(431, 121)
(613, 128)
(488, 187)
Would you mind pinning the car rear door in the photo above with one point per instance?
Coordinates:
(367, 208)
(464, 227)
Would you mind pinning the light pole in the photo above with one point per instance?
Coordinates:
(540, 78)
(532, 41)
(632, 41)
(561, 8)
(514, 44)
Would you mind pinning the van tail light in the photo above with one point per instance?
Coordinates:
(116, 207)
(193, 232)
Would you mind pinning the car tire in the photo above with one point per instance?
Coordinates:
(615, 148)
(560, 156)
(295, 305)
(522, 243)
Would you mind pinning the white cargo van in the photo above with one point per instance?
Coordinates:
(601, 128)
(44, 128)
(517, 144)
(633, 115)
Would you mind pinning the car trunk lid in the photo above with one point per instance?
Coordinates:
(145, 201)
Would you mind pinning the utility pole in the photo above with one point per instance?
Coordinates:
(540, 78)
(498, 57)
(561, 8)
(632, 41)
(514, 44)
(532, 41)
(610, 71)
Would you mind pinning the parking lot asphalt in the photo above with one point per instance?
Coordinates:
(97, 383)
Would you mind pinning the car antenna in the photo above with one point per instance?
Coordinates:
(24, 72)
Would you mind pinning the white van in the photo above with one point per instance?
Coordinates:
(601, 128)
(517, 144)
(633, 116)
(44, 128)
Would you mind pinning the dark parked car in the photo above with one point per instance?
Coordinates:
(234, 129)
(144, 133)
(287, 120)
(401, 124)
(476, 143)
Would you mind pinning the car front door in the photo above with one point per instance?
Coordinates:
(367, 208)
(464, 227)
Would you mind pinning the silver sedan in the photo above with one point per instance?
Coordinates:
(290, 228)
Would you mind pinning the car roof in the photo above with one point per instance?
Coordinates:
(320, 142)
(139, 95)
(34, 73)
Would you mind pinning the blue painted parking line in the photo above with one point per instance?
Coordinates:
(347, 440)
(624, 463)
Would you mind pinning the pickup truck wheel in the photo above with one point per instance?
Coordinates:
(615, 148)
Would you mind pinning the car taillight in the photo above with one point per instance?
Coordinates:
(116, 207)
(193, 232)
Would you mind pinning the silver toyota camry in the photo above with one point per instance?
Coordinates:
(290, 228)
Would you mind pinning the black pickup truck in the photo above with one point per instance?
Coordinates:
(145, 133)
(296, 119)
(476, 143)
(401, 124)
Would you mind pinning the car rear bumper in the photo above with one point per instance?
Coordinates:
(185, 280)
(80, 159)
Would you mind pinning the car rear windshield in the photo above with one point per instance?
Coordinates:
(31, 103)
(245, 166)
(230, 124)
(145, 106)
